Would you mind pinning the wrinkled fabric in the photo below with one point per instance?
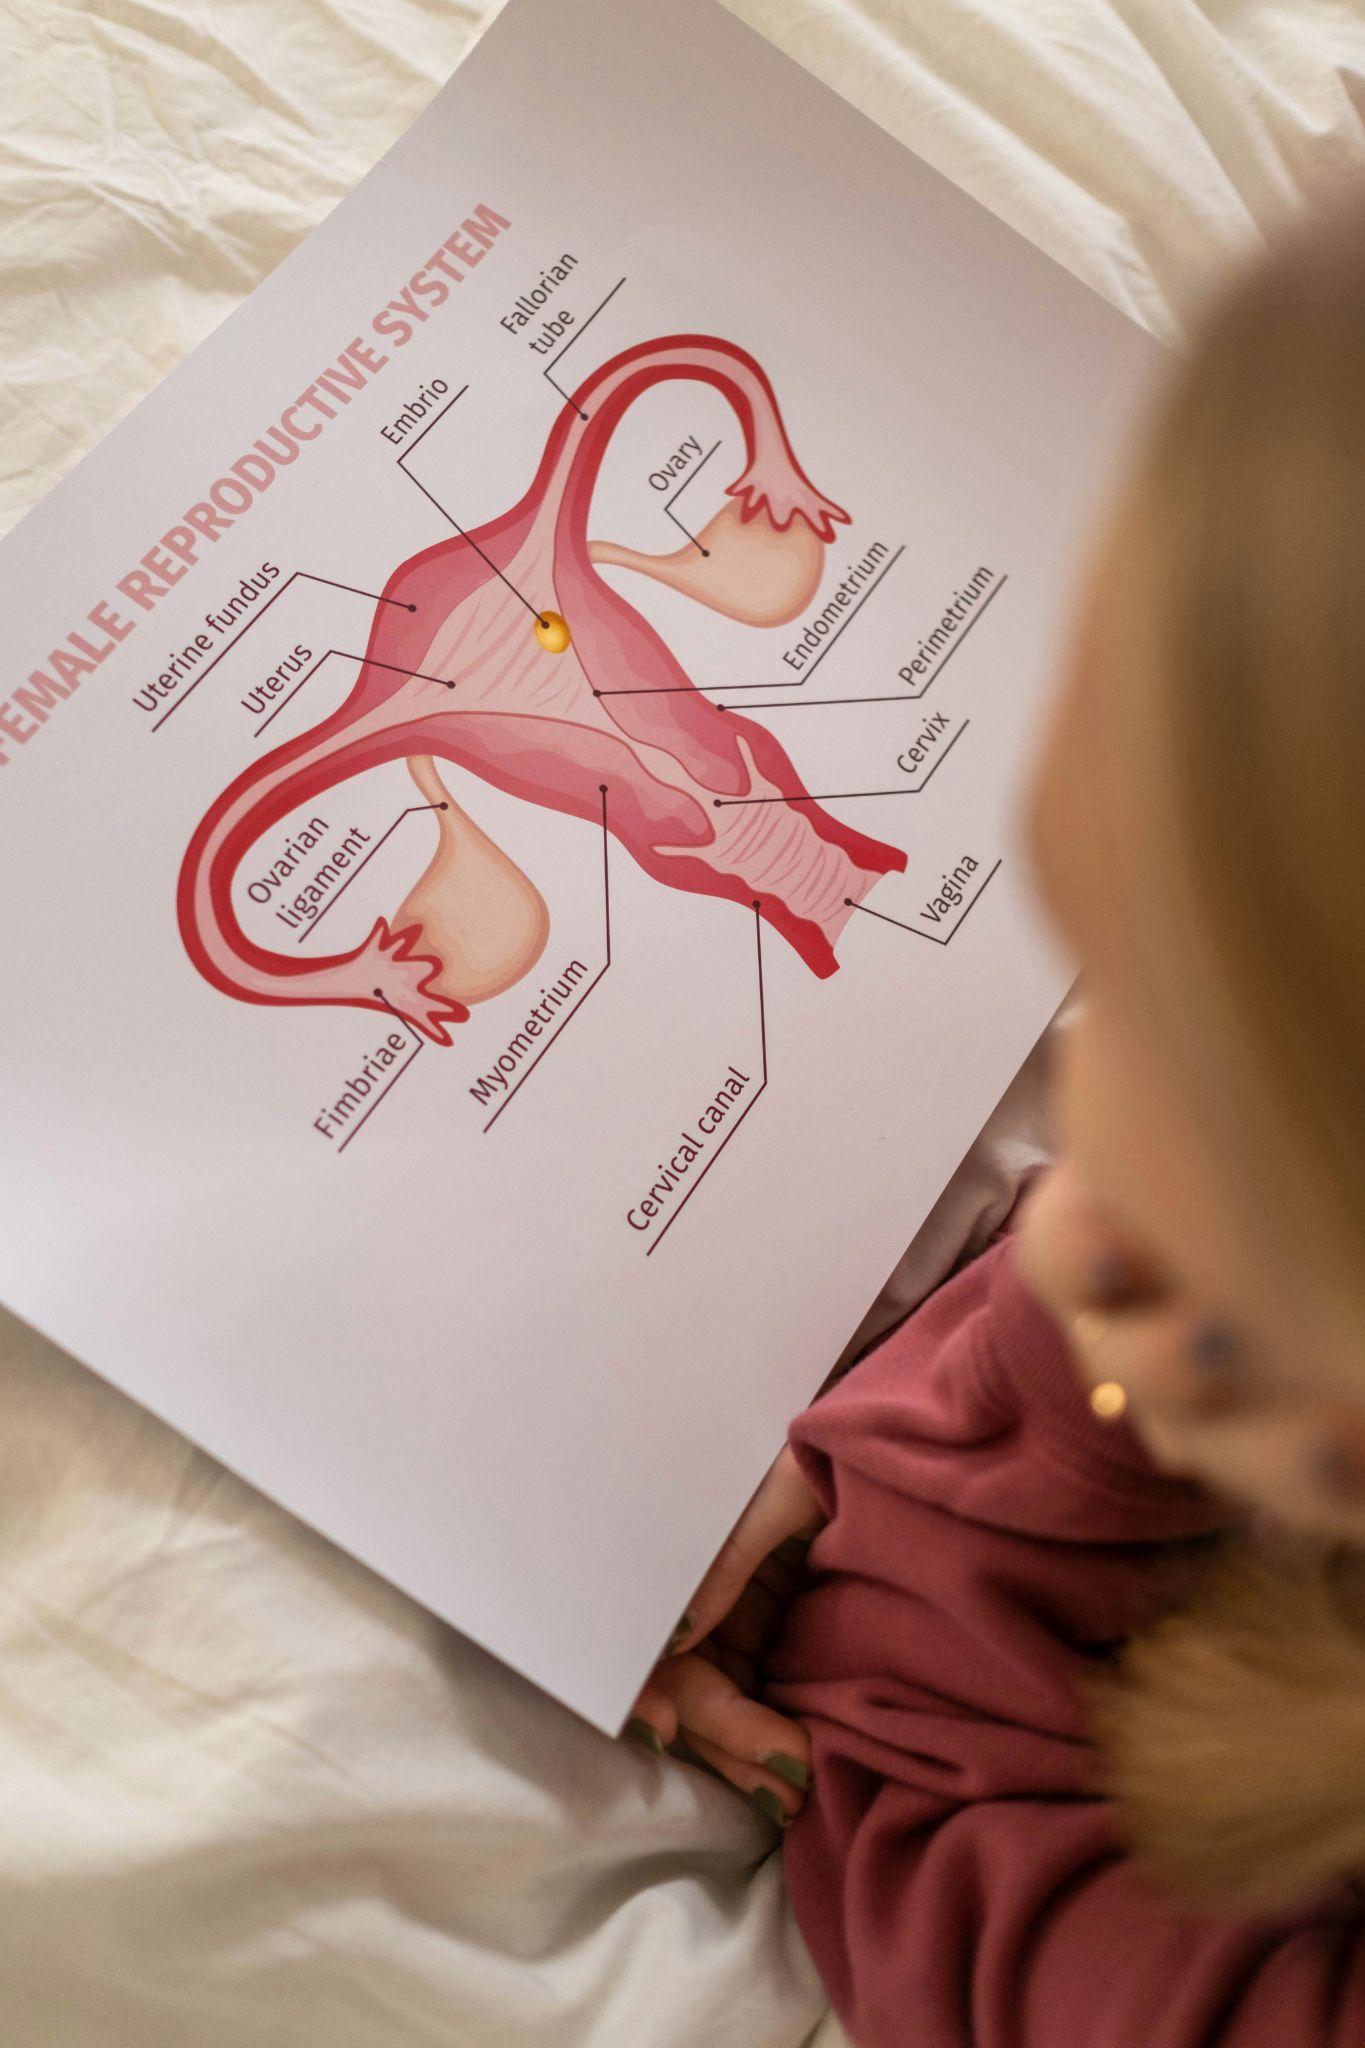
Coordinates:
(251, 1796)
(159, 157)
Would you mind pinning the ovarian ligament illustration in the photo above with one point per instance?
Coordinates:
(471, 676)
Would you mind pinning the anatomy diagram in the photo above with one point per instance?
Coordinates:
(461, 668)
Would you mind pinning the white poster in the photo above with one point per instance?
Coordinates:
(508, 764)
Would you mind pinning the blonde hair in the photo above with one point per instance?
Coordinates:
(1234, 630)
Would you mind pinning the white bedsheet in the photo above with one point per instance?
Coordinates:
(250, 1795)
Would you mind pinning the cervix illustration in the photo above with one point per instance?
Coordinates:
(459, 668)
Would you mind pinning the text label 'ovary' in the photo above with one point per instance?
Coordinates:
(690, 451)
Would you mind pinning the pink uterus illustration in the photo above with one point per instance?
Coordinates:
(496, 668)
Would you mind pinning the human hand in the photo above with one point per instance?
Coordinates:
(703, 1692)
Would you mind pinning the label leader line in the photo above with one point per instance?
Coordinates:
(566, 1020)
(297, 576)
(401, 460)
(412, 811)
(675, 688)
(914, 930)
(894, 697)
(342, 654)
(669, 503)
(830, 796)
(419, 1045)
(581, 329)
(653, 1246)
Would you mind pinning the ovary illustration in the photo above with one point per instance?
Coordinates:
(741, 565)
(484, 920)
(490, 655)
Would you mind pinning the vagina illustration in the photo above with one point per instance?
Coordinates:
(497, 674)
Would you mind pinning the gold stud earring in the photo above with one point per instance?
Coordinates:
(1108, 1400)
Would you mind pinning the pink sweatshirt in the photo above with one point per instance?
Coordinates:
(956, 1877)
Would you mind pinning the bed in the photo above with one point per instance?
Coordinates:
(251, 1794)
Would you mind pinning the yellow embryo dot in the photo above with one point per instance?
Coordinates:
(552, 632)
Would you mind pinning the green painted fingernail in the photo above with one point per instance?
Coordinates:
(640, 1731)
(789, 1768)
(679, 1635)
(768, 1803)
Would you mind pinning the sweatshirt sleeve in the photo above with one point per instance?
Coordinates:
(956, 1877)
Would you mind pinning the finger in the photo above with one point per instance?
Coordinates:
(656, 1704)
(708, 1705)
(782, 1506)
(752, 1622)
(785, 1569)
(655, 1709)
(740, 1669)
(750, 1778)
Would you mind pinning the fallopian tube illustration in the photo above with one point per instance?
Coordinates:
(486, 673)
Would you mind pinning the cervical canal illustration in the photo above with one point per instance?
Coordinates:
(473, 674)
